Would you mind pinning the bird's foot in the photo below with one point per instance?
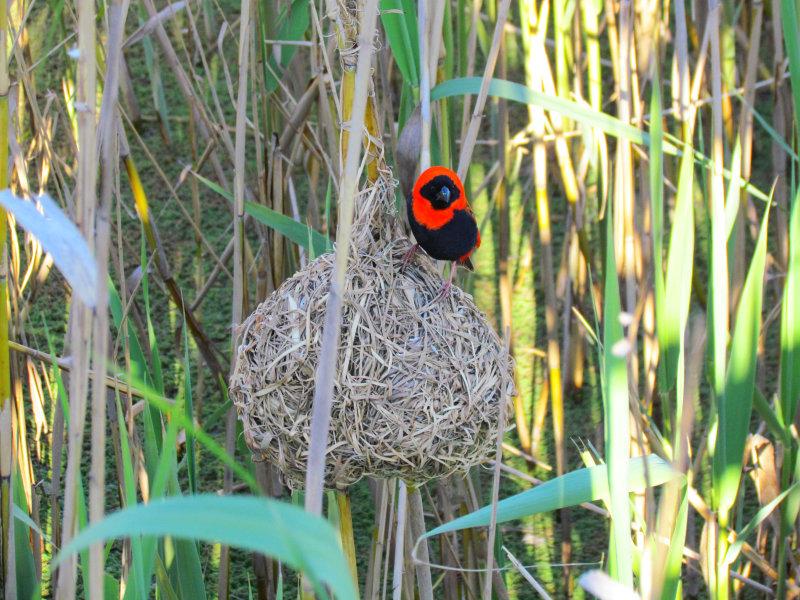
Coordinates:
(408, 256)
(444, 292)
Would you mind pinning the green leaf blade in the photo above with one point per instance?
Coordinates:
(399, 21)
(583, 485)
(616, 418)
(303, 541)
(302, 235)
(736, 403)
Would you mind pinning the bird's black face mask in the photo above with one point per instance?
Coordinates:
(440, 191)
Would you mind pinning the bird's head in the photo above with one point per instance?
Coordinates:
(441, 188)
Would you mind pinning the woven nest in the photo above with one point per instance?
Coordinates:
(420, 382)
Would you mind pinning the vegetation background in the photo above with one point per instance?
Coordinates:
(633, 166)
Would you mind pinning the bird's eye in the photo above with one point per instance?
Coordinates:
(445, 192)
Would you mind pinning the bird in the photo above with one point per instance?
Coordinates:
(441, 220)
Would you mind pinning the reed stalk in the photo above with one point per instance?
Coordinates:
(416, 519)
(372, 582)
(498, 459)
(6, 444)
(562, 38)
(720, 584)
(81, 322)
(109, 155)
(470, 135)
(239, 282)
(399, 541)
(323, 391)
(424, 86)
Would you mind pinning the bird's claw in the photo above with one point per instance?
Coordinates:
(407, 257)
(444, 292)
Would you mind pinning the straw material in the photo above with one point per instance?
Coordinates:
(419, 382)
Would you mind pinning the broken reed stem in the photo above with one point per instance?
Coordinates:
(373, 578)
(109, 154)
(471, 135)
(323, 391)
(399, 541)
(416, 516)
(6, 445)
(81, 320)
(346, 532)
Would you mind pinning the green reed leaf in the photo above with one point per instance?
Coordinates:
(570, 489)
(736, 403)
(304, 542)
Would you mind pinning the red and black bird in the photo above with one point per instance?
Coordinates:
(441, 220)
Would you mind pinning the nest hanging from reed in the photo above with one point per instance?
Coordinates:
(419, 382)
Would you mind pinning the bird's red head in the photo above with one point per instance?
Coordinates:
(437, 193)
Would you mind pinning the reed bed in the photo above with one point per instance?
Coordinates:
(633, 165)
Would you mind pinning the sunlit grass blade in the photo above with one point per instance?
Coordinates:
(175, 413)
(152, 341)
(765, 511)
(674, 558)
(304, 542)
(673, 316)
(27, 582)
(578, 112)
(657, 209)
(135, 587)
(302, 235)
(583, 485)
(292, 25)
(790, 320)
(400, 24)
(517, 92)
(191, 456)
(616, 419)
(772, 418)
(733, 196)
(790, 378)
(735, 404)
(789, 20)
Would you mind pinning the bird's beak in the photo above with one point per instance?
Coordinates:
(442, 199)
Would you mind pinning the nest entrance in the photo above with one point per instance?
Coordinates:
(419, 382)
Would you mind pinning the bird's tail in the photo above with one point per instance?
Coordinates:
(409, 144)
